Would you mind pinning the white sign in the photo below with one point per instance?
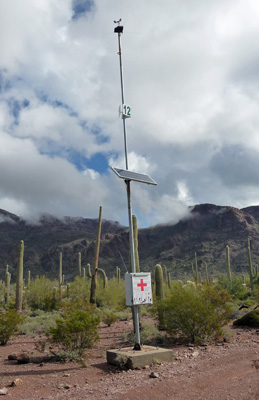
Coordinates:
(138, 288)
(126, 111)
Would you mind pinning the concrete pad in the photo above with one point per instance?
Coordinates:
(132, 359)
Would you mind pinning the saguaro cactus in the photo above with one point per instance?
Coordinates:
(118, 274)
(19, 278)
(96, 259)
(228, 264)
(60, 276)
(79, 264)
(196, 278)
(7, 285)
(29, 280)
(206, 273)
(159, 281)
(89, 273)
(104, 277)
(253, 272)
(169, 280)
(165, 275)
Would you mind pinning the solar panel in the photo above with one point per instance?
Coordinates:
(133, 176)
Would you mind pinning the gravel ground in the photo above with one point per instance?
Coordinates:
(214, 372)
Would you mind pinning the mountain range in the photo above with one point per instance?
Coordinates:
(206, 231)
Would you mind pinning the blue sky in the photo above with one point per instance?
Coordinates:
(190, 75)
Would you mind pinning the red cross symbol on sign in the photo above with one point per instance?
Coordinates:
(141, 285)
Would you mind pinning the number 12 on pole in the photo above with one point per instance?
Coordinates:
(126, 111)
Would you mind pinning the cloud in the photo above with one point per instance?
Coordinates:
(190, 75)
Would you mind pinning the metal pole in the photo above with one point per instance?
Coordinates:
(122, 102)
(131, 241)
(135, 308)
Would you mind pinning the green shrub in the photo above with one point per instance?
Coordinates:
(194, 312)
(8, 325)
(36, 323)
(40, 295)
(113, 297)
(235, 287)
(124, 315)
(149, 335)
(109, 318)
(79, 289)
(75, 331)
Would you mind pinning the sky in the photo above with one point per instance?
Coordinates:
(191, 78)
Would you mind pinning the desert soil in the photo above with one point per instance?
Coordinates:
(226, 370)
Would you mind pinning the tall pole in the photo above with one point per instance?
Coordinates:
(122, 99)
(119, 30)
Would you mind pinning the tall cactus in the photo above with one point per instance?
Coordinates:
(19, 278)
(84, 274)
(169, 280)
(165, 274)
(196, 277)
(88, 269)
(104, 277)
(118, 274)
(96, 259)
(7, 286)
(60, 276)
(159, 281)
(29, 280)
(228, 264)
(253, 273)
(206, 273)
(193, 273)
(79, 264)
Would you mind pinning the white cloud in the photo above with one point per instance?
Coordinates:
(190, 75)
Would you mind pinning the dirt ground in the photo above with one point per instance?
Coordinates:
(224, 371)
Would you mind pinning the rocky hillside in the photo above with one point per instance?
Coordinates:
(207, 231)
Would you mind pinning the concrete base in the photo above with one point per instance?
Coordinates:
(126, 357)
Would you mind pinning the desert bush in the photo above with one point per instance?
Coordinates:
(9, 322)
(235, 287)
(79, 289)
(194, 313)
(36, 323)
(113, 297)
(75, 331)
(149, 335)
(108, 317)
(40, 295)
(124, 315)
